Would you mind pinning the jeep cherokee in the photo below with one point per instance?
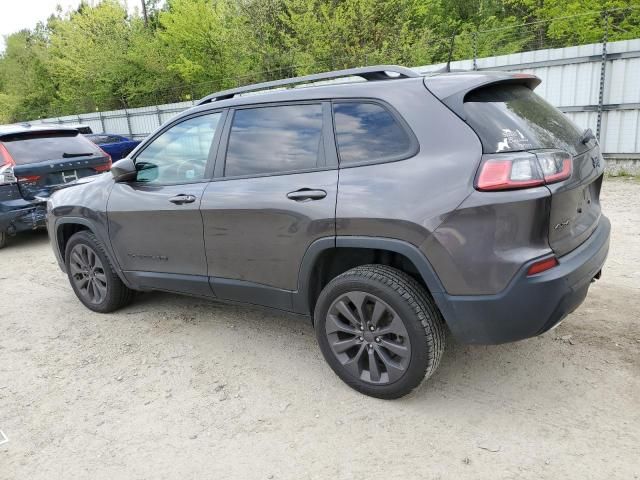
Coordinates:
(387, 209)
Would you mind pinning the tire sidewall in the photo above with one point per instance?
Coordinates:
(87, 239)
(419, 350)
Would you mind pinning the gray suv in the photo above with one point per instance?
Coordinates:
(385, 205)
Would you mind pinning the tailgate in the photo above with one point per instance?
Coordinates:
(44, 160)
(41, 179)
(575, 203)
(510, 120)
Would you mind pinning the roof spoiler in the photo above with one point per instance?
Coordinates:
(378, 72)
(452, 89)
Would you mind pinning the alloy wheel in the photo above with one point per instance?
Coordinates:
(88, 273)
(368, 338)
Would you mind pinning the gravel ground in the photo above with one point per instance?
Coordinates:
(173, 387)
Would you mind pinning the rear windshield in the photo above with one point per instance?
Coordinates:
(510, 118)
(34, 148)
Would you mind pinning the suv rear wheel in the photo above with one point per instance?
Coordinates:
(379, 330)
(91, 275)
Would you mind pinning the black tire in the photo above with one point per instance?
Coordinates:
(113, 293)
(401, 297)
(3, 239)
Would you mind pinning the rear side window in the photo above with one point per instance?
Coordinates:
(369, 132)
(34, 147)
(275, 140)
(510, 118)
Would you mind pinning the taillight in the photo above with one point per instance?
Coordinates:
(5, 157)
(6, 166)
(510, 171)
(28, 178)
(542, 266)
(6, 175)
(555, 165)
(107, 166)
(103, 168)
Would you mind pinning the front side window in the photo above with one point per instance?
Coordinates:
(367, 132)
(275, 139)
(180, 154)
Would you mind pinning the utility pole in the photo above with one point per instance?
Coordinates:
(144, 12)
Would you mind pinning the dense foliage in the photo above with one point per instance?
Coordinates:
(98, 57)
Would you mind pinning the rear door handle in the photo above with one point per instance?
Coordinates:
(182, 199)
(305, 194)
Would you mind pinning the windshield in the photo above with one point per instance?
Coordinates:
(510, 118)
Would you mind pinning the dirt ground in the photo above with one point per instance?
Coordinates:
(173, 387)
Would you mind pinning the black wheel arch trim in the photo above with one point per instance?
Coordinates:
(419, 260)
(93, 228)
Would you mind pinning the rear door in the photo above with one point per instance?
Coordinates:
(512, 118)
(155, 224)
(45, 160)
(273, 195)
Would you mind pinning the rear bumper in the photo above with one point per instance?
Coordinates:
(532, 305)
(18, 218)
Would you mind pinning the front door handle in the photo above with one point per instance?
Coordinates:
(305, 194)
(182, 199)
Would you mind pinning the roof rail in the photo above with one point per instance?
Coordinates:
(378, 72)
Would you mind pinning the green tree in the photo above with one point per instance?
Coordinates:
(336, 34)
(206, 41)
(26, 86)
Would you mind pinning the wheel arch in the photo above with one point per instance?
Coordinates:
(66, 227)
(328, 257)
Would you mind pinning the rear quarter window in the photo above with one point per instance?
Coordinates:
(510, 118)
(368, 132)
(40, 147)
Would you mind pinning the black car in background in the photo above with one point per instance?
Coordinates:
(34, 162)
(117, 146)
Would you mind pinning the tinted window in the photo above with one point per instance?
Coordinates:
(39, 147)
(368, 132)
(274, 139)
(510, 118)
(180, 154)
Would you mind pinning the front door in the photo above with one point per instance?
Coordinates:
(155, 224)
(273, 195)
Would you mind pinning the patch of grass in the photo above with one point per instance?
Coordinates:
(623, 174)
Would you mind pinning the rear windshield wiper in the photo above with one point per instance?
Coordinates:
(587, 136)
(71, 155)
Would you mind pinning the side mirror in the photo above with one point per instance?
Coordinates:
(124, 170)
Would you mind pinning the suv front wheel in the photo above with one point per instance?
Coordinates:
(379, 330)
(93, 279)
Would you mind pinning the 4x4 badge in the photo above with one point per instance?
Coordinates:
(595, 160)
